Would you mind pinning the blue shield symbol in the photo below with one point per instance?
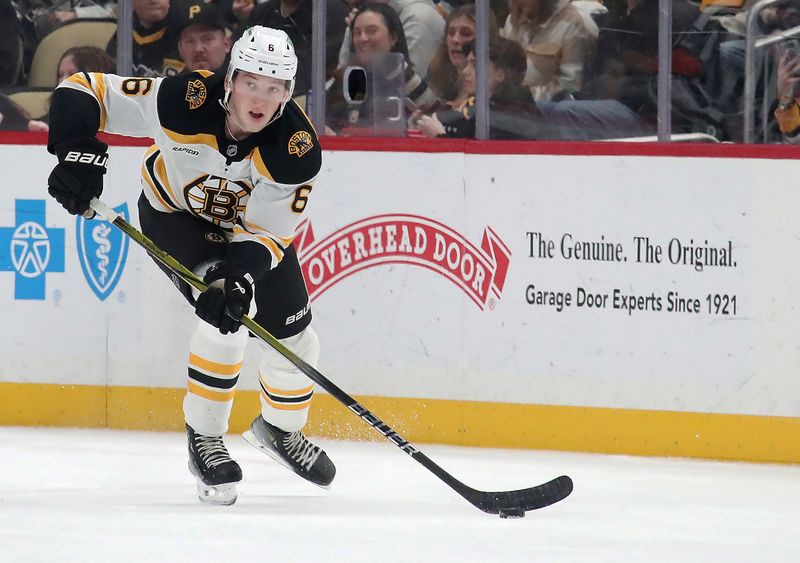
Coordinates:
(102, 250)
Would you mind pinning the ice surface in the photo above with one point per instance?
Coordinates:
(102, 495)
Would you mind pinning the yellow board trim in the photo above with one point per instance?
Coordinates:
(501, 425)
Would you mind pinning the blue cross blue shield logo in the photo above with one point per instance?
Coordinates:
(30, 249)
(102, 250)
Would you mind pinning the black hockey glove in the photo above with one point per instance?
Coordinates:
(78, 176)
(223, 307)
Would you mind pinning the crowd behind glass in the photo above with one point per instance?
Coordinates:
(557, 69)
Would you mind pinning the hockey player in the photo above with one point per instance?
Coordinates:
(224, 187)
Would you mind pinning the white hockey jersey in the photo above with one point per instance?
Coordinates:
(255, 189)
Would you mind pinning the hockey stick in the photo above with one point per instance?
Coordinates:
(504, 503)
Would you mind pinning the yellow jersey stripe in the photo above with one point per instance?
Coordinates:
(260, 166)
(198, 139)
(99, 89)
(81, 80)
(276, 250)
(161, 170)
(153, 190)
(285, 241)
(310, 123)
(155, 183)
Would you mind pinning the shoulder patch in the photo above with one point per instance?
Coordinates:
(196, 93)
(300, 143)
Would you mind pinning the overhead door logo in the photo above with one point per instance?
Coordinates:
(102, 250)
(30, 249)
(404, 239)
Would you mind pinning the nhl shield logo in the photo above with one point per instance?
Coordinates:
(102, 251)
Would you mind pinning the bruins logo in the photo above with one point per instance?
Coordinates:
(195, 94)
(300, 143)
(218, 200)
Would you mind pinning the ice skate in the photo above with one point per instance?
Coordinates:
(216, 473)
(292, 450)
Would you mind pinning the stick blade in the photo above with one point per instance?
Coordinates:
(523, 500)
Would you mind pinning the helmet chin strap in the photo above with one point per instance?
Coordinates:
(229, 114)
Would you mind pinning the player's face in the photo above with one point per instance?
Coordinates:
(371, 36)
(460, 31)
(255, 99)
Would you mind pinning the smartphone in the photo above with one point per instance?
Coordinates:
(790, 47)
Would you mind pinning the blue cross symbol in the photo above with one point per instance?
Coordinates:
(30, 249)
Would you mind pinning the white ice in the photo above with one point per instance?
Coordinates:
(97, 495)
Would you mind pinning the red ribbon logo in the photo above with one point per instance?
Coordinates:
(404, 239)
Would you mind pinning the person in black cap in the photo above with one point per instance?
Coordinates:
(203, 41)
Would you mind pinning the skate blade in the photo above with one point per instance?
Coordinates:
(253, 441)
(222, 495)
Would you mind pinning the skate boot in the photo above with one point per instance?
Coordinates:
(293, 450)
(216, 473)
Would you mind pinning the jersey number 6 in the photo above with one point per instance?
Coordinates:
(300, 198)
(137, 86)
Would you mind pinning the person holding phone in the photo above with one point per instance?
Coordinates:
(787, 113)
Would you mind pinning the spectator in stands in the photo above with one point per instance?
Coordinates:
(14, 118)
(513, 113)
(294, 17)
(376, 30)
(557, 40)
(203, 41)
(241, 11)
(423, 27)
(155, 40)
(77, 9)
(787, 112)
(729, 94)
(40, 17)
(84, 59)
(628, 65)
(444, 73)
(10, 44)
